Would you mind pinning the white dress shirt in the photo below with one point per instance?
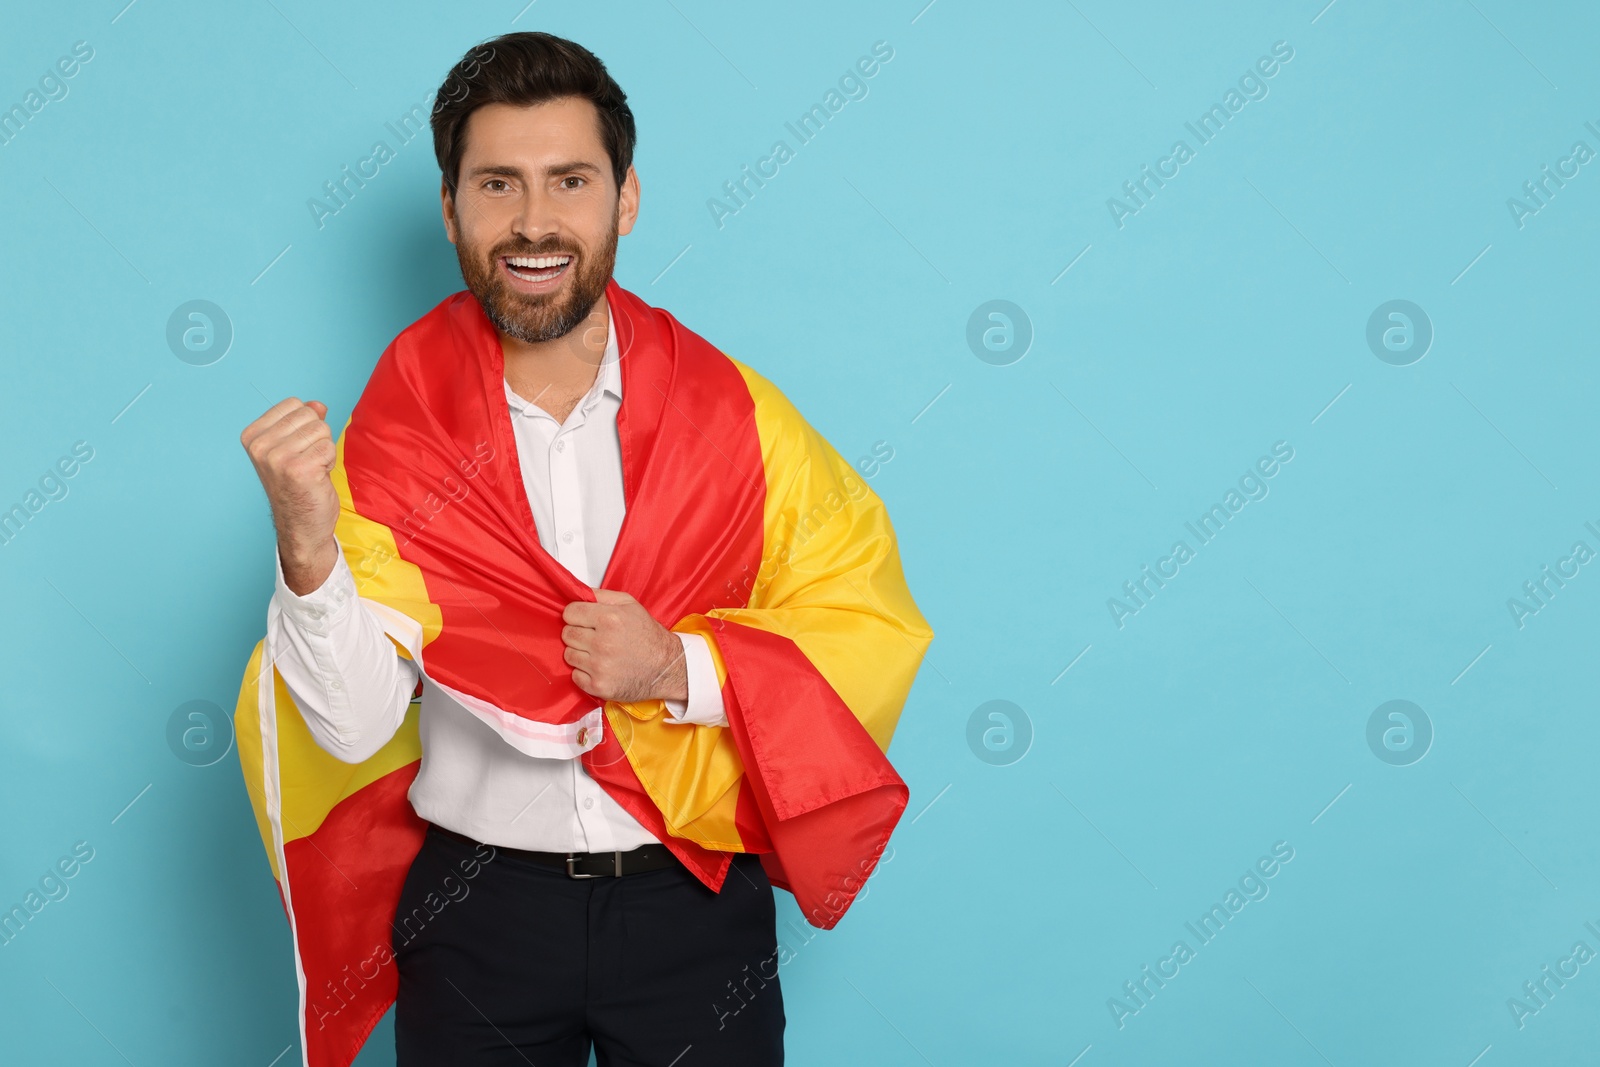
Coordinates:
(354, 688)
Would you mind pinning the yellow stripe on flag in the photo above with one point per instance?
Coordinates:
(313, 782)
(839, 554)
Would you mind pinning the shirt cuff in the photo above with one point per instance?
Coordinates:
(704, 706)
(324, 607)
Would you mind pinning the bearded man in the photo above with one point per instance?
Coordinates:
(658, 625)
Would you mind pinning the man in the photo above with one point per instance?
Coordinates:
(571, 841)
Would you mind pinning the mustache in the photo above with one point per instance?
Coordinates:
(547, 248)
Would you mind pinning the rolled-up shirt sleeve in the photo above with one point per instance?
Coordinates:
(351, 684)
(704, 706)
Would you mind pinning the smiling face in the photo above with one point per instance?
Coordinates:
(537, 214)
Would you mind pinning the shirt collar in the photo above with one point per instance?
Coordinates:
(609, 377)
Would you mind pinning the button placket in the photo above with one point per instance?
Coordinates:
(566, 503)
(596, 829)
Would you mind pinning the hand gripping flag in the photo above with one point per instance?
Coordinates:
(742, 524)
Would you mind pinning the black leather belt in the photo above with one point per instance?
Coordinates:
(650, 857)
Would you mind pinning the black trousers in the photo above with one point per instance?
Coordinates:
(508, 963)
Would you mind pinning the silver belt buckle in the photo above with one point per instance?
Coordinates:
(616, 860)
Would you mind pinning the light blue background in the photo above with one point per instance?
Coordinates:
(1227, 715)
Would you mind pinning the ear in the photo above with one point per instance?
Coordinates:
(628, 202)
(448, 207)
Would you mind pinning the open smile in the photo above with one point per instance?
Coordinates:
(536, 274)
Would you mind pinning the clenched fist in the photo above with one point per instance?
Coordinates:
(618, 651)
(293, 452)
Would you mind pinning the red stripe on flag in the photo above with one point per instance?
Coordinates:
(359, 855)
(828, 796)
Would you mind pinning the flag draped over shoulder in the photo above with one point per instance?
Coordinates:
(742, 524)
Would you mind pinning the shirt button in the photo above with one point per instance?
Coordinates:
(567, 537)
(335, 685)
(583, 733)
(588, 802)
(561, 446)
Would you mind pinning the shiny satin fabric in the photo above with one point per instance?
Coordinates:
(742, 524)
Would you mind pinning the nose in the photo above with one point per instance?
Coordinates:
(534, 219)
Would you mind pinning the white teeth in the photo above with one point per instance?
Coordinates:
(538, 262)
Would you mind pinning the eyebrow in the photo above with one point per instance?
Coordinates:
(509, 171)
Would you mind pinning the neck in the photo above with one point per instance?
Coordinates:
(568, 363)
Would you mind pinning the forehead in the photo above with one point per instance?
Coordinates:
(567, 127)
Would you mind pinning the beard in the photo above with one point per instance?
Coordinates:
(534, 319)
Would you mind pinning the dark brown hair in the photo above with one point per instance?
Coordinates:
(521, 69)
